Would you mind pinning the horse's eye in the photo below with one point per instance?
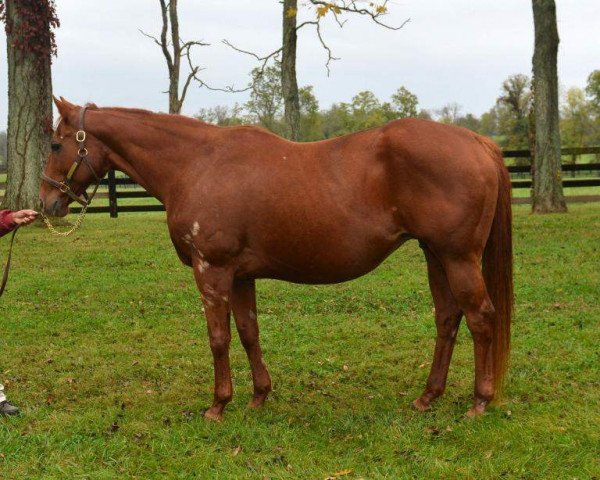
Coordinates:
(55, 147)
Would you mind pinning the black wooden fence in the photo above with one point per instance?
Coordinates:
(123, 187)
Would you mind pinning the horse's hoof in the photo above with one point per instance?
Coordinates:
(476, 410)
(257, 401)
(421, 405)
(213, 415)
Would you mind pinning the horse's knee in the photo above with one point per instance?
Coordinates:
(219, 343)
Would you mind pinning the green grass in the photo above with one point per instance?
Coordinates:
(104, 348)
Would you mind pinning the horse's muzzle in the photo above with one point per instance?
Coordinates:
(55, 208)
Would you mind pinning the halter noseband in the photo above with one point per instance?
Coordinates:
(82, 153)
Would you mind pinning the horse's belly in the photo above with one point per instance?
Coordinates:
(331, 265)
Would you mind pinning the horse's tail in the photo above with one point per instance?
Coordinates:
(498, 269)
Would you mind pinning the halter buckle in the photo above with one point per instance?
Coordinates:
(80, 136)
(63, 187)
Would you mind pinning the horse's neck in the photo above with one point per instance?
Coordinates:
(139, 146)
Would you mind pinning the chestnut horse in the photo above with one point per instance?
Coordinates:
(244, 204)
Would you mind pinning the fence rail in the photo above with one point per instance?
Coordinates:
(133, 190)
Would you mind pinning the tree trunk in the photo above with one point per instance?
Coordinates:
(175, 102)
(547, 194)
(29, 111)
(289, 83)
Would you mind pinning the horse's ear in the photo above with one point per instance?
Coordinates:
(64, 107)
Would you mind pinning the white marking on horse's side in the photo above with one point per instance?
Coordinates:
(225, 298)
(252, 315)
(195, 229)
(187, 238)
(202, 266)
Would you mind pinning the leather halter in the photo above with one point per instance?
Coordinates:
(82, 153)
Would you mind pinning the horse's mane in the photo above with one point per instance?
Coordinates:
(171, 118)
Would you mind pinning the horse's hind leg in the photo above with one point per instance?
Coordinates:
(244, 310)
(468, 287)
(447, 321)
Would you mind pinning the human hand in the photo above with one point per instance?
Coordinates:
(24, 217)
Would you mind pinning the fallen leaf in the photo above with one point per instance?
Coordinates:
(341, 473)
(236, 451)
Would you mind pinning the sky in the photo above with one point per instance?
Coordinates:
(450, 51)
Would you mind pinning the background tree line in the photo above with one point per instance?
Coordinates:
(507, 121)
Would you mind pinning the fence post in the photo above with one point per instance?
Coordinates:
(112, 195)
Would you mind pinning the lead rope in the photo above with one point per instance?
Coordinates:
(52, 230)
(76, 224)
(7, 268)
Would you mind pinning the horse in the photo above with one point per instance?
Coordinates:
(244, 204)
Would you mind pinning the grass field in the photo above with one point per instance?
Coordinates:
(104, 348)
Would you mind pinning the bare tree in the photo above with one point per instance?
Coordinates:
(30, 46)
(174, 50)
(547, 193)
(289, 83)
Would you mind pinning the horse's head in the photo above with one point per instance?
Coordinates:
(76, 161)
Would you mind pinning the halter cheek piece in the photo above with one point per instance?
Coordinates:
(82, 153)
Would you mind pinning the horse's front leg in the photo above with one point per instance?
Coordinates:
(215, 285)
(244, 310)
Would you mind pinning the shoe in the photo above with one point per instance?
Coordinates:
(7, 408)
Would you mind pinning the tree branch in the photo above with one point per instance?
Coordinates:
(330, 56)
(351, 6)
(150, 37)
(194, 75)
(163, 35)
